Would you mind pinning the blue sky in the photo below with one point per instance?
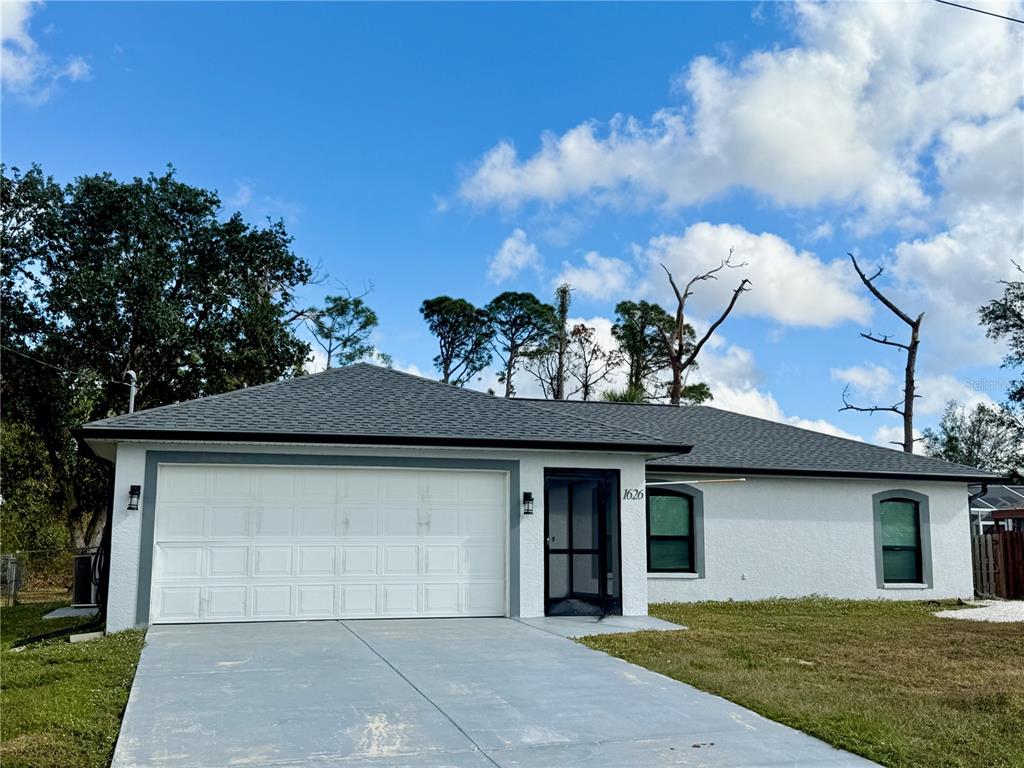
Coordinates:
(470, 149)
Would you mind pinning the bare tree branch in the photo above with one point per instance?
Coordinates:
(909, 381)
(683, 356)
(870, 283)
(848, 406)
(884, 339)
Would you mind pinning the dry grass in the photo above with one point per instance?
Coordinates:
(886, 680)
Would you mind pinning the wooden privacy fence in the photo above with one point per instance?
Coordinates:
(999, 564)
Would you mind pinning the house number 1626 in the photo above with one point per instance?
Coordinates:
(633, 494)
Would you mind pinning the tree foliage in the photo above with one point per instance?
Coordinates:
(521, 325)
(638, 329)
(1004, 321)
(101, 277)
(342, 329)
(588, 363)
(463, 334)
(985, 437)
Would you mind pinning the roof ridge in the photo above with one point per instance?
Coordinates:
(529, 402)
(536, 404)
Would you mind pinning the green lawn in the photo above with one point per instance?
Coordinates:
(886, 680)
(61, 703)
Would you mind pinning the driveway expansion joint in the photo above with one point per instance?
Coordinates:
(412, 685)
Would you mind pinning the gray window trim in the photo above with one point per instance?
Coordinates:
(697, 497)
(924, 522)
(155, 458)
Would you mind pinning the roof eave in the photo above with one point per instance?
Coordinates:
(157, 435)
(823, 473)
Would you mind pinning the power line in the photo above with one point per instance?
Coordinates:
(57, 367)
(978, 10)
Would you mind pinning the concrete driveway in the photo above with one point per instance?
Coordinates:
(425, 693)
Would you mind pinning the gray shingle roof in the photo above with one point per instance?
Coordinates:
(368, 404)
(724, 441)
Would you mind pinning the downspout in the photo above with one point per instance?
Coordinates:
(971, 497)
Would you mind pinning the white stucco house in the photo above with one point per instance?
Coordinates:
(366, 492)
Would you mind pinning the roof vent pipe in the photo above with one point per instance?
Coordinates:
(133, 381)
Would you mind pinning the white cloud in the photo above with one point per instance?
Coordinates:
(756, 402)
(259, 206)
(242, 196)
(515, 254)
(850, 115)
(26, 71)
(872, 380)
(936, 391)
(599, 277)
(891, 436)
(794, 288)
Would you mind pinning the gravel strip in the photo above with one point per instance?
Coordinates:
(988, 610)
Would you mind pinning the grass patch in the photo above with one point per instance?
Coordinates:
(62, 703)
(886, 680)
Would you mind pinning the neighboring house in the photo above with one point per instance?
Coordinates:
(1000, 505)
(365, 492)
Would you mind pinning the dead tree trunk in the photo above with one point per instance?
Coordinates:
(564, 298)
(905, 409)
(682, 352)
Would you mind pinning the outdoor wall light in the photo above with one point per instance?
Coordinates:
(134, 494)
(527, 503)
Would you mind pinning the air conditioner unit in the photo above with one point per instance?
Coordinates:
(83, 591)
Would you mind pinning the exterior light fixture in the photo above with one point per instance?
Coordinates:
(134, 493)
(527, 503)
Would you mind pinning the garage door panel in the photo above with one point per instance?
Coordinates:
(273, 561)
(316, 486)
(359, 521)
(442, 521)
(358, 600)
(224, 603)
(229, 521)
(316, 521)
(180, 602)
(482, 560)
(359, 561)
(227, 562)
(181, 521)
(359, 485)
(401, 599)
(270, 521)
(278, 543)
(399, 560)
(274, 484)
(229, 483)
(401, 486)
(315, 600)
(440, 560)
(478, 521)
(399, 521)
(317, 561)
(440, 599)
(271, 601)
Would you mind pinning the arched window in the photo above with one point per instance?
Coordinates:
(670, 532)
(902, 548)
(901, 541)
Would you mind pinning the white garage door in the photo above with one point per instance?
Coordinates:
(278, 543)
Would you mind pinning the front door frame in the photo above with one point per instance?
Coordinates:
(609, 480)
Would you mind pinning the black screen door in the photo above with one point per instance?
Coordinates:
(582, 552)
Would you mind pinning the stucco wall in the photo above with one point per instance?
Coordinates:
(783, 537)
(127, 525)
